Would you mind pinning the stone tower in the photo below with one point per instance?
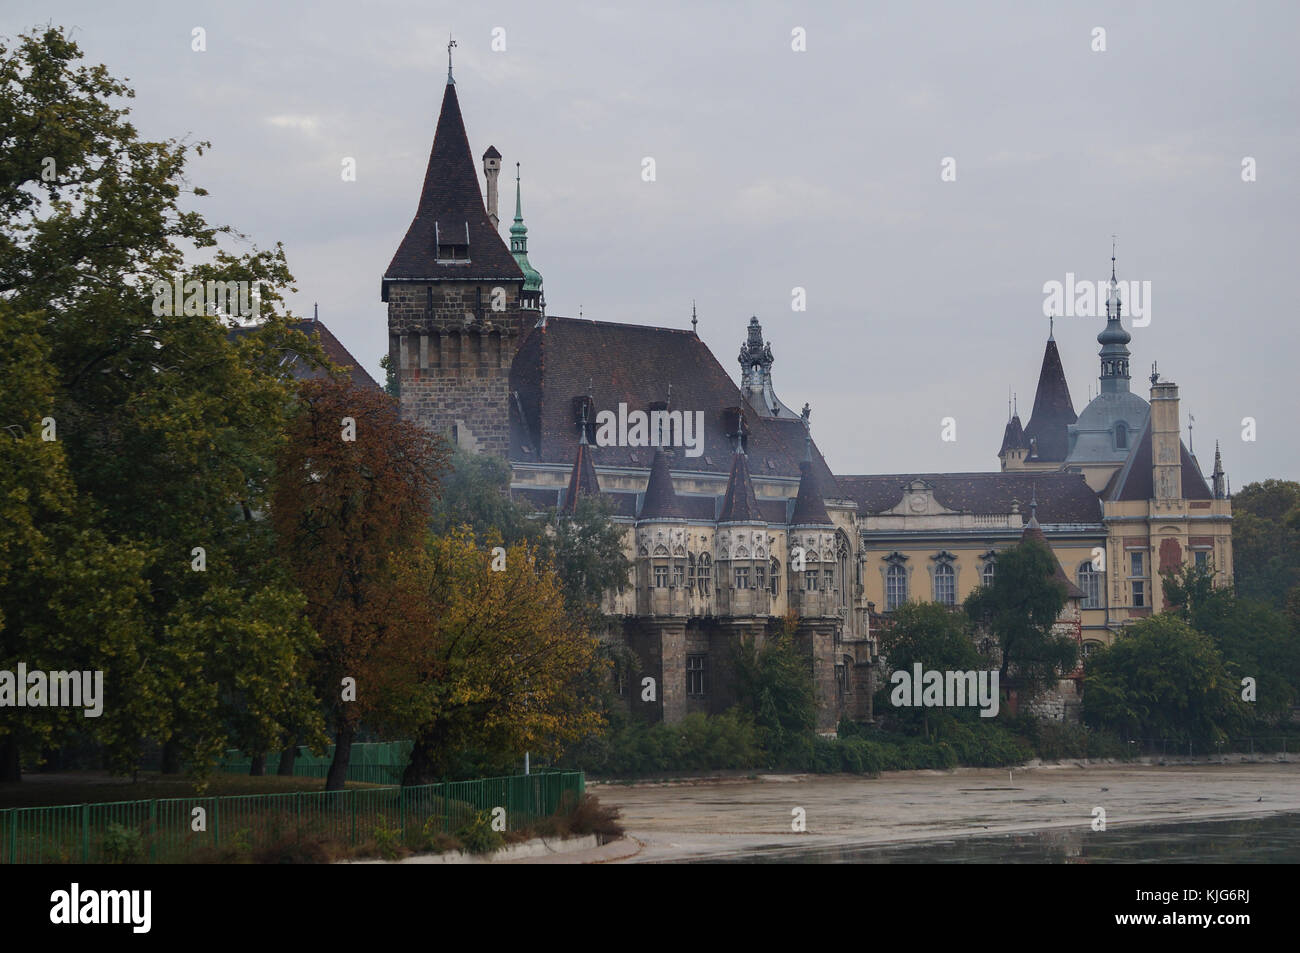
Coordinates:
(453, 293)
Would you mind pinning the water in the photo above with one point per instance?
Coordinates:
(1274, 839)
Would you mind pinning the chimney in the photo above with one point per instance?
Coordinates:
(1166, 445)
(491, 169)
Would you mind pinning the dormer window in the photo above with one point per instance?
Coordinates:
(452, 240)
(1121, 436)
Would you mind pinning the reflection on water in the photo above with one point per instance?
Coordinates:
(1263, 840)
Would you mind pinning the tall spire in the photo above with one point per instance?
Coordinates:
(1218, 478)
(519, 248)
(1114, 340)
(660, 500)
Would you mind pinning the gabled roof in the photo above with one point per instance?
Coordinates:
(740, 504)
(332, 346)
(451, 203)
(582, 481)
(1053, 409)
(1062, 497)
(809, 508)
(1136, 481)
(635, 364)
(660, 500)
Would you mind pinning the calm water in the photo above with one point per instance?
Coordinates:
(1265, 840)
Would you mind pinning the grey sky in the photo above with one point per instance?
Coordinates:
(778, 169)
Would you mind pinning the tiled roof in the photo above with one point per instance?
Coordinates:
(333, 348)
(1137, 482)
(809, 508)
(740, 504)
(1053, 409)
(1013, 437)
(582, 481)
(451, 202)
(1062, 497)
(660, 500)
(635, 364)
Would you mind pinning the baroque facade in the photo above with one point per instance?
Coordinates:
(750, 526)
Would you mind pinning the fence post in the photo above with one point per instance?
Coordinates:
(153, 830)
(85, 833)
(401, 812)
(13, 835)
(353, 802)
(216, 822)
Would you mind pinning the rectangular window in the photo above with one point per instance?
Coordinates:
(742, 577)
(810, 580)
(1139, 594)
(697, 675)
(705, 580)
(1202, 557)
(679, 575)
(1135, 564)
(661, 577)
(760, 577)
(830, 578)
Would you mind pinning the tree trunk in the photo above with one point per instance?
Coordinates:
(258, 767)
(11, 766)
(338, 773)
(426, 765)
(287, 758)
(171, 757)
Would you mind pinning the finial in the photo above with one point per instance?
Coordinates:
(315, 312)
(450, 44)
(1033, 505)
(579, 310)
(1015, 408)
(1112, 256)
(591, 391)
(1191, 447)
(1051, 326)
(695, 322)
(1155, 374)
(582, 438)
(669, 401)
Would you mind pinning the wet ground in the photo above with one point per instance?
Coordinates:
(969, 814)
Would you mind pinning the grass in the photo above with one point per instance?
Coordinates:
(40, 790)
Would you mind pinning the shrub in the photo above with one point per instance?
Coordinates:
(477, 836)
(122, 845)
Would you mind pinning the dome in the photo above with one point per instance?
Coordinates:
(1092, 436)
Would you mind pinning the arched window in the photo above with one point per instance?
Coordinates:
(1121, 436)
(705, 574)
(774, 576)
(986, 574)
(690, 571)
(842, 555)
(945, 584)
(1090, 581)
(895, 586)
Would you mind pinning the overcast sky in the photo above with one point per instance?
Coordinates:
(778, 169)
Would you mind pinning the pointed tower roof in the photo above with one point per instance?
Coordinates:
(1035, 532)
(740, 505)
(809, 507)
(451, 206)
(582, 480)
(1217, 477)
(519, 243)
(1013, 437)
(1053, 409)
(660, 500)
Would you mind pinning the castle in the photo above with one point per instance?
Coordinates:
(728, 540)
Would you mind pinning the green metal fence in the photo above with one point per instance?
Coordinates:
(162, 831)
(380, 762)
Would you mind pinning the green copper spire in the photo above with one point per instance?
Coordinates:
(519, 245)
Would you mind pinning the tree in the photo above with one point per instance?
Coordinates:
(506, 665)
(774, 681)
(350, 507)
(934, 636)
(1255, 639)
(167, 428)
(1162, 679)
(1266, 541)
(1019, 609)
(587, 553)
(475, 496)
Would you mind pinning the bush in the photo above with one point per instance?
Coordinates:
(122, 845)
(477, 835)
